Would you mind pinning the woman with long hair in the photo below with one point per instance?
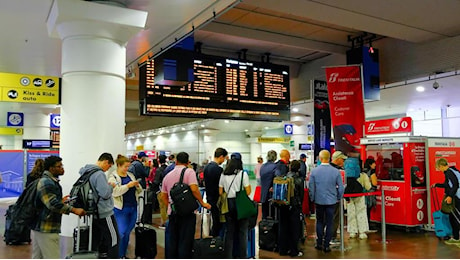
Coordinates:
(125, 197)
(231, 181)
(36, 172)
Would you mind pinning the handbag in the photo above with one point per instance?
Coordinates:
(447, 208)
(245, 208)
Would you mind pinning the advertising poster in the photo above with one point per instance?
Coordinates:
(394, 206)
(322, 117)
(32, 156)
(346, 104)
(12, 173)
(414, 164)
(448, 148)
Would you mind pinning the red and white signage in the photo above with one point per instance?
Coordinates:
(346, 104)
(389, 126)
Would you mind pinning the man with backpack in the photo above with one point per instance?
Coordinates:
(181, 225)
(51, 206)
(105, 229)
(140, 168)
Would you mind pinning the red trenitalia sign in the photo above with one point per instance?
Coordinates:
(346, 103)
(389, 126)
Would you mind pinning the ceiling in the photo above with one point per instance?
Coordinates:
(294, 32)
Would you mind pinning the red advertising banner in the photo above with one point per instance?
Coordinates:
(448, 148)
(346, 104)
(414, 164)
(388, 126)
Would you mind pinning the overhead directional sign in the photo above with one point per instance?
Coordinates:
(11, 131)
(288, 129)
(27, 88)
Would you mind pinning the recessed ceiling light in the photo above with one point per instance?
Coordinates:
(202, 125)
(295, 109)
(167, 131)
(227, 121)
(246, 130)
(420, 88)
(183, 128)
(266, 127)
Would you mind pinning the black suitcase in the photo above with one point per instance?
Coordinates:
(83, 253)
(209, 247)
(145, 236)
(15, 237)
(268, 233)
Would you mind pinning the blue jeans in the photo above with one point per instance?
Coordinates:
(324, 220)
(126, 220)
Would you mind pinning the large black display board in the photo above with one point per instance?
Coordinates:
(221, 88)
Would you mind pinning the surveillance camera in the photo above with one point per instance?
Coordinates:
(435, 85)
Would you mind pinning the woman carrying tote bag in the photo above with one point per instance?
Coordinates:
(234, 173)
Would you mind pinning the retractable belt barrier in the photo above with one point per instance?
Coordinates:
(352, 195)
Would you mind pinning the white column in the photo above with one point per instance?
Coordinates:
(93, 82)
(36, 125)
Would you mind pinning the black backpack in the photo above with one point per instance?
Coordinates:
(82, 193)
(25, 212)
(184, 203)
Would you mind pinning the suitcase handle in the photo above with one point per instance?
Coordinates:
(436, 203)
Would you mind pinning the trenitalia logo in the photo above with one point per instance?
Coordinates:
(371, 127)
(335, 77)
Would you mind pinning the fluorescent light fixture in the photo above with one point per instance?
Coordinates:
(420, 88)
(227, 121)
(295, 109)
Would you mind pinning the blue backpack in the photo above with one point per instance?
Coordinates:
(457, 174)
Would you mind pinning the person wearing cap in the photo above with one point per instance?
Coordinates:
(338, 161)
(303, 166)
(140, 168)
(326, 189)
(212, 172)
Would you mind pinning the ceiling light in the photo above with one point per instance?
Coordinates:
(183, 128)
(420, 88)
(227, 121)
(246, 130)
(266, 127)
(202, 125)
(167, 131)
(295, 109)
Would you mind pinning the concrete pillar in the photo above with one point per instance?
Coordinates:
(94, 38)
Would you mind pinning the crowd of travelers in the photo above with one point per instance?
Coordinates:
(118, 201)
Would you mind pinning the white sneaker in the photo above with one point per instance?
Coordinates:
(362, 236)
(353, 235)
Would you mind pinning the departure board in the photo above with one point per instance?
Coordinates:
(221, 88)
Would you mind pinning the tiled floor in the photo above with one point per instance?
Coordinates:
(400, 244)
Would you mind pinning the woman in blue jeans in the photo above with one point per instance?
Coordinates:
(125, 196)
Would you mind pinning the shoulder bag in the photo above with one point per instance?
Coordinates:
(245, 208)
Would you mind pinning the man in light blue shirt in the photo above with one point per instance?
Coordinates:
(325, 188)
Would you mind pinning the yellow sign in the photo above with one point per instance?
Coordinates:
(11, 131)
(139, 148)
(26, 88)
(274, 139)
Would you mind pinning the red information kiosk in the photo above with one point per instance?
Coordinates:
(401, 172)
(406, 169)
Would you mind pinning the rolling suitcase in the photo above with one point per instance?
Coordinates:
(306, 202)
(145, 236)
(268, 233)
(86, 253)
(209, 247)
(442, 227)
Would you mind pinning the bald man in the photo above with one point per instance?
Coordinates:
(283, 164)
(326, 189)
